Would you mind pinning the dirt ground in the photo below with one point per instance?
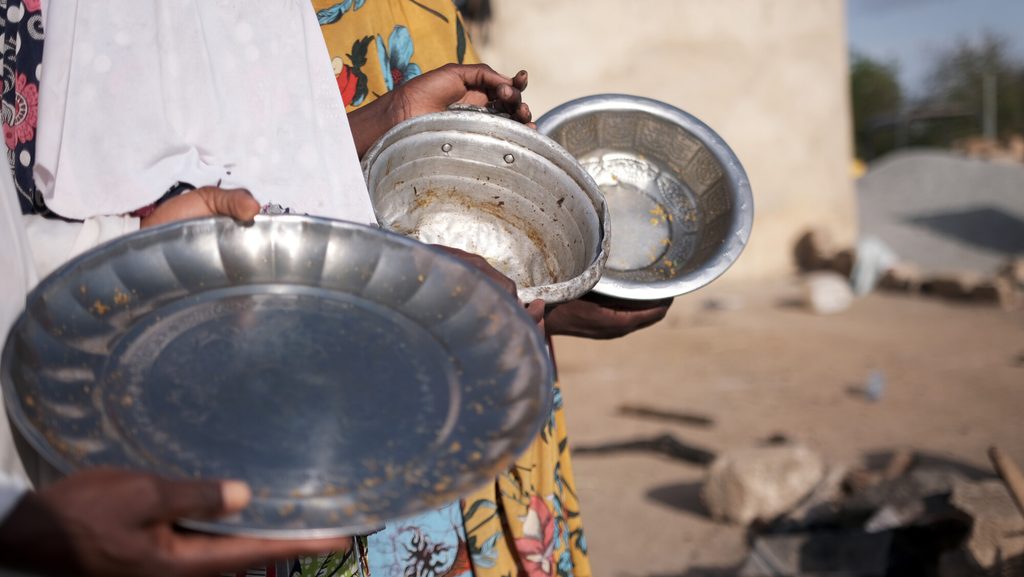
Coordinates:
(758, 366)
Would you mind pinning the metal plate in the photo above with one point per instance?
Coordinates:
(679, 201)
(493, 187)
(350, 375)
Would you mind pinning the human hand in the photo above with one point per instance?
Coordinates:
(595, 316)
(116, 523)
(535, 309)
(206, 201)
(475, 84)
(435, 91)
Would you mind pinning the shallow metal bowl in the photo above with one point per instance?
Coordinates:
(350, 375)
(493, 187)
(680, 202)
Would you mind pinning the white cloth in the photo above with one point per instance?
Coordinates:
(136, 95)
(54, 242)
(17, 278)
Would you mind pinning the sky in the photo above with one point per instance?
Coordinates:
(912, 33)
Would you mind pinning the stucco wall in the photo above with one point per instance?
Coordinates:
(769, 75)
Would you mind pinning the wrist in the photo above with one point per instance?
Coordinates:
(554, 322)
(370, 122)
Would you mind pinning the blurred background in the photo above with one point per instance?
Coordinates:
(826, 408)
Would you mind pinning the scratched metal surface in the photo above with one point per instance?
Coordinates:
(350, 375)
(493, 187)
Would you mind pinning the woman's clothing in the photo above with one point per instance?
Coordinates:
(21, 22)
(234, 94)
(530, 518)
(376, 45)
(17, 278)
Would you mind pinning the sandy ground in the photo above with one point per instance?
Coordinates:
(955, 385)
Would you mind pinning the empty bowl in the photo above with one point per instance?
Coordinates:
(679, 200)
(493, 187)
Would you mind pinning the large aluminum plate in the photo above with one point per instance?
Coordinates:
(350, 375)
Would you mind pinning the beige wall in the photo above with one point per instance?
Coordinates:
(769, 75)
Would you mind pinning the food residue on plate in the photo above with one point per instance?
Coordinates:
(121, 298)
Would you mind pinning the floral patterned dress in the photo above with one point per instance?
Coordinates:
(376, 45)
(528, 521)
(21, 22)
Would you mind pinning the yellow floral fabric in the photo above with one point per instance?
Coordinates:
(528, 522)
(376, 45)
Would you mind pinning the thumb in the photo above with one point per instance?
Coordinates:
(201, 499)
(536, 310)
(237, 203)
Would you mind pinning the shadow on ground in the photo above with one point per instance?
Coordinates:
(683, 497)
(697, 572)
(877, 460)
(986, 228)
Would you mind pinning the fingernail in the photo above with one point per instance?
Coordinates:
(235, 495)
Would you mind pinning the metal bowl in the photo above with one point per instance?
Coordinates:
(493, 187)
(350, 375)
(680, 202)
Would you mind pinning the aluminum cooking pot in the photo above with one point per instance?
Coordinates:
(491, 186)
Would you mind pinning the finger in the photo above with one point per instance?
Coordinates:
(494, 274)
(476, 98)
(642, 319)
(237, 203)
(523, 114)
(620, 304)
(536, 310)
(480, 76)
(456, 252)
(521, 80)
(480, 263)
(509, 97)
(200, 499)
(210, 555)
(507, 284)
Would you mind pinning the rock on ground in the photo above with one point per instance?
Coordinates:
(760, 484)
(997, 533)
(827, 293)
